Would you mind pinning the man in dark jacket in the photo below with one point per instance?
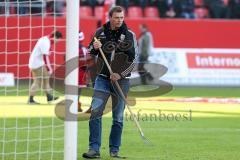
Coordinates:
(186, 9)
(234, 6)
(120, 47)
(167, 8)
(217, 8)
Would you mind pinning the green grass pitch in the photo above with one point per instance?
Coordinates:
(211, 133)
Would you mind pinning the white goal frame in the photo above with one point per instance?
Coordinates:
(72, 28)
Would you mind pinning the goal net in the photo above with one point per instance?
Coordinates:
(23, 22)
(28, 132)
(31, 138)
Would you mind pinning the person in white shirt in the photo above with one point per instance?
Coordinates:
(40, 66)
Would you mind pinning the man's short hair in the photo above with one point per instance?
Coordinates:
(56, 34)
(115, 9)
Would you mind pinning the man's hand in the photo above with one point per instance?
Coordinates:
(97, 45)
(115, 76)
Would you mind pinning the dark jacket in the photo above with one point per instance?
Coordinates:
(124, 42)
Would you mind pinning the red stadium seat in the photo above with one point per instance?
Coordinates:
(151, 12)
(99, 11)
(85, 11)
(201, 13)
(225, 2)
(198, 3)
(134, 12)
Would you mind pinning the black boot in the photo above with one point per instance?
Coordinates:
(31, 100)
(91, 154)
(51, 98)
(115, 155)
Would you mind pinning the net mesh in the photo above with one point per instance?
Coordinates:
(22, 23)
(31, 138)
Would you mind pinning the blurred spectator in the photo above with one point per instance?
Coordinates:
(3, 5)
(217, 8)
(167, 8)
(124, 3)
(153, 2)
(56, 7)
(50, 7)
(36, 7)
(100, 2)
(145, 47)
(59, 4)
(84, 3)
(23, 7)
(234, 6)
(94, 3)
(186, 9)
(141, 3)
(127, 3)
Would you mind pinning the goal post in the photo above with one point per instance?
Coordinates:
(27, 131)
(70, 129)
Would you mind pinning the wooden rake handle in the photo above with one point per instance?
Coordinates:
(120, 91)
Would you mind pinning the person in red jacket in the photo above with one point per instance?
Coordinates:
(82, 78)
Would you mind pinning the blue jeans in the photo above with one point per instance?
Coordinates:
(102, 90)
